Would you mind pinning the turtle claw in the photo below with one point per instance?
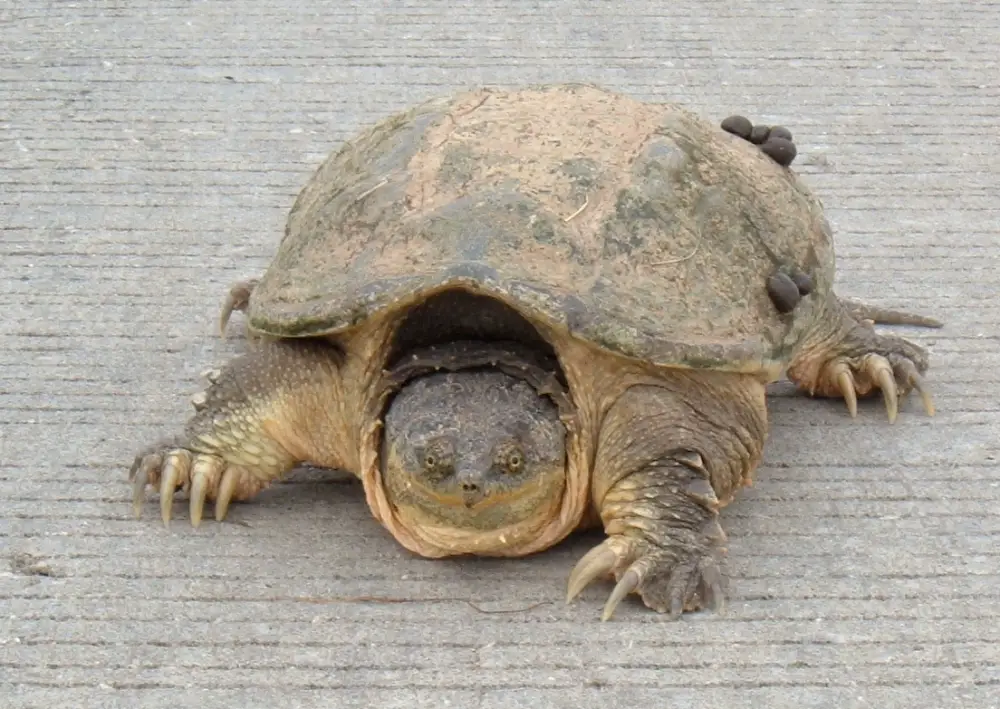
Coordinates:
(204, 477)
(879, 369)
(906, 372)
(895, 375)
(230, 481)
(925, 396)
(846, 386)
(856, 361)
(176, 468)
(169, 468)
(596, 563)
(628, 583)
(670, 579)
(139, 480)
(196, 500)
(599, 562)
(237, 300)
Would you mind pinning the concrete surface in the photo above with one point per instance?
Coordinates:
(150, 151)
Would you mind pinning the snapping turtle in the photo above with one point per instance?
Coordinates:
(514, 314)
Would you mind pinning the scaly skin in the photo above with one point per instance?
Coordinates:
(658, 480)
(669, 456)
(263, 413)
(669, 449)
(663, 452)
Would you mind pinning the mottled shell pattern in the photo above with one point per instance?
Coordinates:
(636, 226)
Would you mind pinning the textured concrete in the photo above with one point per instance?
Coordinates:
(149, 153)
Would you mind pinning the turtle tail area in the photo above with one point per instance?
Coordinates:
(886, 316)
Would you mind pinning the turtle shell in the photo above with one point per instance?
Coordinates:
(637, 226)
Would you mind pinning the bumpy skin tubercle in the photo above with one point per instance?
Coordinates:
(670, 455)
(261, 415)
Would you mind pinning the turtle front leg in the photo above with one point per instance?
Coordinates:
(669, 458)
(262, 414)
(846, 358)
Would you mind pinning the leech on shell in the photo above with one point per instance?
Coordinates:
(783, 291)
(759, 134)
(802, 281)
(738, 125)
(780, 132)
(780, 150)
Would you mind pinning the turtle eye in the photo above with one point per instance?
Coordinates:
(509, 457)
(438, 459)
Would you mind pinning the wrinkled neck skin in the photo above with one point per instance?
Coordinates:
(534, 520)
(596, 381)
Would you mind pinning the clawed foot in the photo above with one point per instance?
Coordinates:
(894, 374)
(237, 300)
(672, 576)
(232, 447)
(846, 358)
(169, 467)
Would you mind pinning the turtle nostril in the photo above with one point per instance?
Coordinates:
(470, 487)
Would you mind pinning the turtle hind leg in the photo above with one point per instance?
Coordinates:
(236, 300)
(844, 357)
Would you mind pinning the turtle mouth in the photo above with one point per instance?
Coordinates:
(489, 508)
(476, 501)
(470, 498)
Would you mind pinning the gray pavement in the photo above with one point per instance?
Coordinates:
(149, 153)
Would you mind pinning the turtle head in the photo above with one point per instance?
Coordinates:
(473, 451)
